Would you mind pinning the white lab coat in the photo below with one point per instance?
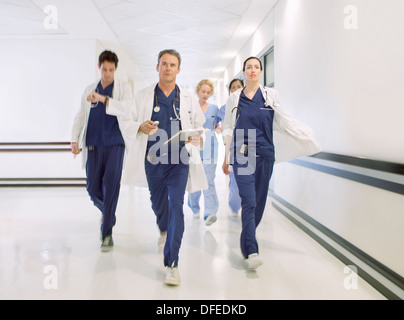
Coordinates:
(292, 139)
(122, 99)
(191, 116)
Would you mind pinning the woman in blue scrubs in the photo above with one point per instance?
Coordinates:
(253, 116)
(252, 156)
(204, 91)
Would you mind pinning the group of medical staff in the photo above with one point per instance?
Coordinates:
(168, 138)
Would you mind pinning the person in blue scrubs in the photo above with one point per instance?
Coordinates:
(204, 90)
(252, 155)
(167, 164)
(234, 197)
(105, 143)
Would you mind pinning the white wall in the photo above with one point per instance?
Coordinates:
(351, 78)
(347, 85)
(260, 43)
(41, 89)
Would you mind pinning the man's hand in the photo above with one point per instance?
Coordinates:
(195, 140)
(225, 167)
(96, 97)
(75, 148)
(147, 127)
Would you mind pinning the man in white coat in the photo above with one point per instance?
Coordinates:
(99, 136)
(163, 117)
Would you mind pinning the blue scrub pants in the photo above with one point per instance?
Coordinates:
(104, 171)
(234, 196)
(210, 196)
(253, 189)
(209, 156)
(167, 183)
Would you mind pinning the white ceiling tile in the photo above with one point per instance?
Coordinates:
(155, 3)
(200, 30)
(238, 9)
(112, 17)
(18, 10)
(220, 3)
(102, 4)
(162, 28)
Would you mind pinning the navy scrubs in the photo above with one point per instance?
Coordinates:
(106, 149)
(167, 175)
(253, 169)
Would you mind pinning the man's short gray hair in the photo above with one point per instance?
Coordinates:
(173, 53)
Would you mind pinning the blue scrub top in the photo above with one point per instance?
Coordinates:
(163, 114)
(221, 114)
(211, 145)
(253, 114)
(103, 129)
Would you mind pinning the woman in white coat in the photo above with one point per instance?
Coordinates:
(163, 111)
(257, 133)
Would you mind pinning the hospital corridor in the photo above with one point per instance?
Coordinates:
(36, 236)
(219, 151)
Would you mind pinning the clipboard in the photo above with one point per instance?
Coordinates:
(185, 134)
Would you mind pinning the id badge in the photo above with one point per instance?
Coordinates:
(244, 149)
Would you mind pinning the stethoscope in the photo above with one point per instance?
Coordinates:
(176, 99)
(238, 104)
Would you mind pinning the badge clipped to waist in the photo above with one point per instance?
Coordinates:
(244, 149)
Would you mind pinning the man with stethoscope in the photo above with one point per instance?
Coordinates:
(160, 152)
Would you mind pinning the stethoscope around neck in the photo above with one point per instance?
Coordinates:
(176, 99)
(238, 104)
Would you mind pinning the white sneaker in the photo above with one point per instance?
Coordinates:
(172, 277)
(233, 214)
(107, 244)
(162, 241)
(210, 220)
(197, 215)
(254, 261)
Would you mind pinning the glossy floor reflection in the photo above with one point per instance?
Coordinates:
(50, 249)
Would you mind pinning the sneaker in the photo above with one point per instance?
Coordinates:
(197, 215)
(172, 277)
(254, 261)
(210, 220)
(162, 241)
(107, 244)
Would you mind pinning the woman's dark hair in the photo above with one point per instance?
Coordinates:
(251, 58)
(235, 80)
(108, 56)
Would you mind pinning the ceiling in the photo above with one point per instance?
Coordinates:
(208, 34)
